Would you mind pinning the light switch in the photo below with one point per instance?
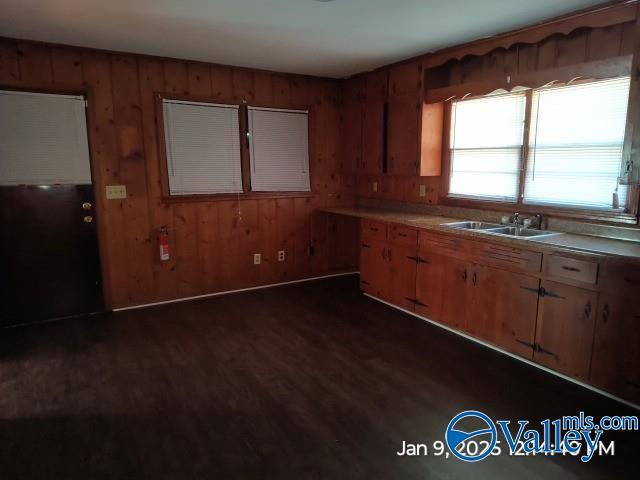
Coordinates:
(116, 192)
(375, 186)
(423, 190)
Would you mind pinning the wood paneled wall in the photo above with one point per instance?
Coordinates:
(558, 50)
(213, 241)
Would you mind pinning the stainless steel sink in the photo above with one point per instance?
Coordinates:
(473, 225)
(503, 230)
(519, 232)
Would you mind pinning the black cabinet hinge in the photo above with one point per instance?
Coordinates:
(415, 301)
(418, 260)
(541, 292)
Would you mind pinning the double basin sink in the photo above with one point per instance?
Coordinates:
(503, 230)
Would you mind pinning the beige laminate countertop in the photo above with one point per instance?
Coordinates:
(582, 245)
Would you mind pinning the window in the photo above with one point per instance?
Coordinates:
(233, 149)
(574, 135)
(486, 144)
(279, 150)
(43, 139)
(575, 144)
(203, 147)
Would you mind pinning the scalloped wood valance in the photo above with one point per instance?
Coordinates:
(594, 18)
(609, 68)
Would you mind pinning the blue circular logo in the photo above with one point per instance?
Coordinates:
(471, 444)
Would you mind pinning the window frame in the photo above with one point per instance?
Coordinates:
(627, 216)
(245, 167)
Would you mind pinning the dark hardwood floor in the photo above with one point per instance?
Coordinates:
(308, 381)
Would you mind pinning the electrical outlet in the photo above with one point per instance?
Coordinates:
(374, 186)
(116, 192)
(281, 255)
(423, 190)
(257, 258)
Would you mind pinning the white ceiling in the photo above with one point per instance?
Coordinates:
(336, 39)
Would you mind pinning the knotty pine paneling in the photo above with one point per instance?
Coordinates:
(582, 45)
(212, 242)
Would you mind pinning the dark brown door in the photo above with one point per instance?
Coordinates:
(49, 262)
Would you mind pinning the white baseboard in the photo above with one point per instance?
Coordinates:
(524, 360)
(227, 292)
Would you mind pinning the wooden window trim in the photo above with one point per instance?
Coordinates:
(247, 193)
(629, 217)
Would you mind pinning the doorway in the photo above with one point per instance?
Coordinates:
(49, 256)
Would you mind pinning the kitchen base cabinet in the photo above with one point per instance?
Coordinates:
(456, 297)
(565, 328)
(504, 308)
(401, 283)
(374, 267)
(430, 285)
(615, 363)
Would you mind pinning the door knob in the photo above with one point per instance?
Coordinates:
(88, 219)
(87, 206)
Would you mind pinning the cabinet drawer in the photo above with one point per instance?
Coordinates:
(403, 235)
(571, 269)
(373, 230)
(510, 258)
(443, 245)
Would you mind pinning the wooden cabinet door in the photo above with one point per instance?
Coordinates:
(504, 309)
(430, 275)
(564, 332)
(615, 363)
(403, 134)
(456, 294)
(352, 115)
(401, 283)
(374, 267)
(373, 136)
(405, 78)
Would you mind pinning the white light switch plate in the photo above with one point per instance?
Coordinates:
(423, 190)
(375, 186)
(116, 192)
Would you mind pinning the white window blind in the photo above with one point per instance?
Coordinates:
(279, 150)
(486, 144)
(203, 147)
(575, 144)
(43, 139)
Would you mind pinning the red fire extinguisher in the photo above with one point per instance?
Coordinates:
(163, 240)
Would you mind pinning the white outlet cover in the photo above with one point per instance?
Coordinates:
(375, 186)
(281, 255)
(257, 258)
(423, 190)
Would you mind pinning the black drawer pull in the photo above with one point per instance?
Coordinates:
(570, 269)
(365, 245)
(402, 234)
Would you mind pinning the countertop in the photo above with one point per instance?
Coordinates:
(580, 245)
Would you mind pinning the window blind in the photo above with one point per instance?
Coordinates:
(486, 144)
(279, 150)
(575, 144)
(43, 139)
(203, 147)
